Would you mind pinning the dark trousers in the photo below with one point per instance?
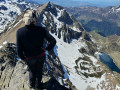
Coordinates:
(36, 65)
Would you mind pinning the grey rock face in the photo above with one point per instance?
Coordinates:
(14, 75)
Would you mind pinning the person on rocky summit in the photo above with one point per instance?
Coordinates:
(30, 39)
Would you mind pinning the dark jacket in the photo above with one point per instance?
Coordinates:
(30, 39)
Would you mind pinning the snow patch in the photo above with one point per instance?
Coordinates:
(97, 55)
(44, 18)
(1, 47)
(118, 9)
(75, 29)
(59, 13)
(57, 22)
(5, 42)
(68, 53)
(117, 87)
(113, 9)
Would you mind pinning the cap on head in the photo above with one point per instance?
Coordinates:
(29, 17)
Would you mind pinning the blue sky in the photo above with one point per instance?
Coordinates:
(102, 2)
(99, 3)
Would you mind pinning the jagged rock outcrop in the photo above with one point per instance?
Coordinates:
(58, 21)
(14, 74)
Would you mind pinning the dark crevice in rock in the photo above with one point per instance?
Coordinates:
(3, 82)
(23, 85)
(11, 76)
(2, 68)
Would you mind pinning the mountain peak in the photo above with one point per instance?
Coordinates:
(59, 21)
(48, 2)
(47, 5)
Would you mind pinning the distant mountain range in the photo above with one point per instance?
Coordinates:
(78, 3)
(64, 3)
(105, 20)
